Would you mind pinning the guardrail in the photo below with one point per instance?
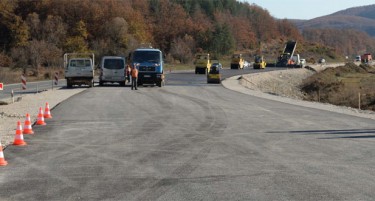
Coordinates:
(13, 92)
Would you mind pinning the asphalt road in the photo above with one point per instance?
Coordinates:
(191, 141)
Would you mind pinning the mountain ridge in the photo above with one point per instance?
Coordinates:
(360, 18)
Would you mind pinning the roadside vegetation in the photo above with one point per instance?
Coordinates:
(35, 34)
(350, 85)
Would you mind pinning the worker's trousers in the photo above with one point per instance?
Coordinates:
(134, 83)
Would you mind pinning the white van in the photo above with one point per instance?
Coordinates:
(112, 70)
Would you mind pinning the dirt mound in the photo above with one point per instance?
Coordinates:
(349, 85)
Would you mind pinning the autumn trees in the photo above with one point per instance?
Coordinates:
(36, 33)
(344, 41)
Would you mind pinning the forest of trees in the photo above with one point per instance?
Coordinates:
(344, 41)
(36, 33)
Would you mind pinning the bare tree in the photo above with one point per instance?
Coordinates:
(54, 30)
(33, 22)
(20, 59)
(182, 49)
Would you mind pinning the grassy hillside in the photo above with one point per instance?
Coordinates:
(358, 18)
(345, 86)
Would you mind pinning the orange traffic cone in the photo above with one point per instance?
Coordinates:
(47, 113)
(40, 120)
(3, 162)
(18, 140)
(27, 129)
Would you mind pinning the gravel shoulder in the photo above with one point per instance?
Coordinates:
(282, 86)
(29, 103)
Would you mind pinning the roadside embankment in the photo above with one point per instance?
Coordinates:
(282, 86)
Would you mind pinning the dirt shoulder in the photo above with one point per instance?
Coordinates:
(281, 85)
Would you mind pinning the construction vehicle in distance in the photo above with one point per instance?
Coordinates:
(237, 62)
(286, 57)
(214, 75)
(297, 61)
(79, 69)
(366, 58)
(202, 63)
(357, 58)
(149, 62)
(259, 62)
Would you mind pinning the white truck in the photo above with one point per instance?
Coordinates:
(79, 69)
(298, 62)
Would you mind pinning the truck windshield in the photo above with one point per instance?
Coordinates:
(258, 59)
(80, 63)
(146, 56)
(114, 64)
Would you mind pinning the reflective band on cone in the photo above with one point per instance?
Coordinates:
(18, 139)
(27, 129)
(3, 162)
(47, 112)
(40, 120)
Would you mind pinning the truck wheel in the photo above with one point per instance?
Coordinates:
(161, 83)
(69, 84)
(122, 83)
(100, 83)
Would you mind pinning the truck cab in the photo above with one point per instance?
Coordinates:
(366, 58)
(297, 61)
(202, 63)
(237, 62)
(214, 75)
(357, 58)
(259, 62)
(149, 62)
(79, 69)
(285, 58)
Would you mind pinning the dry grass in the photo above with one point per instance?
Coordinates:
(11, 76)
(8, 76)
(347, 85)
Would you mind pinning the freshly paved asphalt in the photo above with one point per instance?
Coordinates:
(190, 141)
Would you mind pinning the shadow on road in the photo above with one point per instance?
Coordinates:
(347, 134)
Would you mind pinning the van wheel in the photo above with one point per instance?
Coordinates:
(122, 83)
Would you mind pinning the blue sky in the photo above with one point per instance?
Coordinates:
(306, 9)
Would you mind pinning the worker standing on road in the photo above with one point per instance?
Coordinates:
(128, 70)
(134, 74)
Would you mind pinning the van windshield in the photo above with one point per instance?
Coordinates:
(114, 64)
(146, 56)
(80, 63)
